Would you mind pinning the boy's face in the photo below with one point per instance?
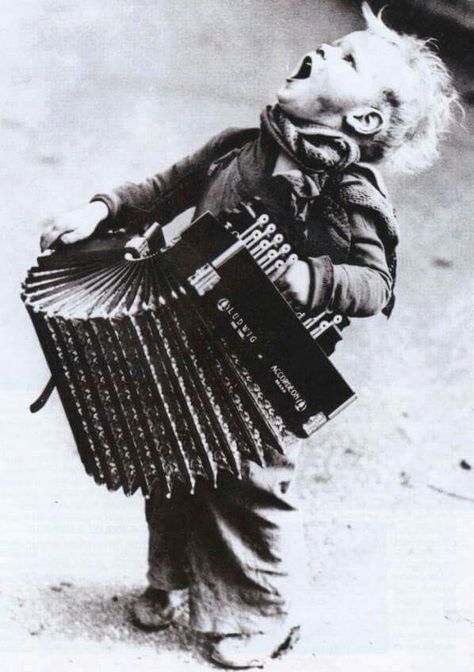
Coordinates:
(350, 73)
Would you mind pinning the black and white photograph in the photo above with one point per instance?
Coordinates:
(236, 392)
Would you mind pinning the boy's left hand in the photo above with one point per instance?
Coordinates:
(294, 283)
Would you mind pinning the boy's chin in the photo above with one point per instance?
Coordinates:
(289, 105)
(289, 109)
(285, 95)
(285, 102)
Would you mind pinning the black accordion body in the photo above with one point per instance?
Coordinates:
(176, 361)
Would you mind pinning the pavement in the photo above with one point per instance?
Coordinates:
(96, 94)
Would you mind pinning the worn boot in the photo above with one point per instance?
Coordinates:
(157, 609)
(240, 652)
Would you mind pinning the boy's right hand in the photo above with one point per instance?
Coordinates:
(75, 225)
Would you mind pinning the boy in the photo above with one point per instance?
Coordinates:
(373, 96)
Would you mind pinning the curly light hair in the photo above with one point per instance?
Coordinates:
(421, 113)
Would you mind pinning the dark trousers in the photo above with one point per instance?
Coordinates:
(238, 548)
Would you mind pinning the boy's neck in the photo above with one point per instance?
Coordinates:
(330, 120)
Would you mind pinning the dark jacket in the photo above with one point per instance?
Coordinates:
(348, 262)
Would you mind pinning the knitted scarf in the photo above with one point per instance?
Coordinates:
(322, 154)
(316, 149)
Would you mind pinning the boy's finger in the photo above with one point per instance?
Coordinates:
(277, 273)
(72, 237)
(282, 267)
(289, 294)
(47, 238)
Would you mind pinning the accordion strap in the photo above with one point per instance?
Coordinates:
(38, 404)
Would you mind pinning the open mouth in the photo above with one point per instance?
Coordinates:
(304, 69)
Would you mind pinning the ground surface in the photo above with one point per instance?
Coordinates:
(96, 93)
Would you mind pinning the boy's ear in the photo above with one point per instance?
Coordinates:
(365, 120)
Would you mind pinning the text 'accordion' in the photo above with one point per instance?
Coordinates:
(174, 362)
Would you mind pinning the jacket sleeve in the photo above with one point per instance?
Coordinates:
(359, 288)
(165, 195)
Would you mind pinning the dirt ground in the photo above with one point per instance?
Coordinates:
(98, 93)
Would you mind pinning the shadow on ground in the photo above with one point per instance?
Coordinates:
(96, 614)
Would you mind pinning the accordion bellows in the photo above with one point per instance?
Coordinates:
(151, 395)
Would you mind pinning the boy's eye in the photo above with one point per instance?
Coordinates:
(350, 59)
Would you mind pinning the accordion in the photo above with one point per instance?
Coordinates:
(175, 361)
